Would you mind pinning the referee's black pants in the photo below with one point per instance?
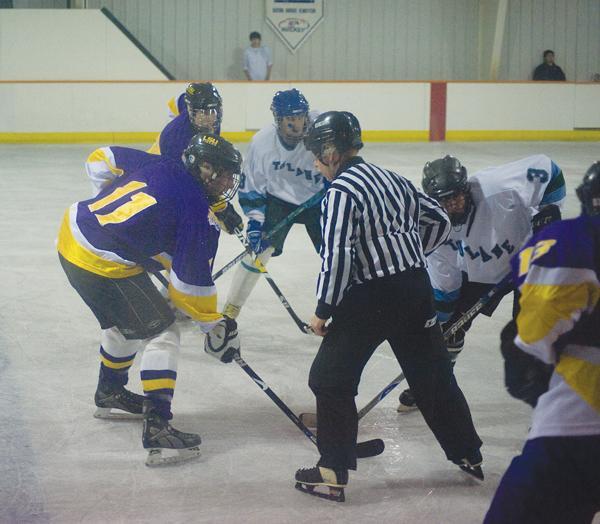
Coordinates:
(398, 309)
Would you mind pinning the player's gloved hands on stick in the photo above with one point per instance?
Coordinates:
(228, 218)
(222, 341)
(254, 234)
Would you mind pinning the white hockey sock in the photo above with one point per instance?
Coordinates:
(244, 279)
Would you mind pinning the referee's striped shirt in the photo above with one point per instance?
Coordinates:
(375, 223)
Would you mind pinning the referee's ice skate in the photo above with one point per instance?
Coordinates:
(308, 479)
(159, 435)
(472, 464)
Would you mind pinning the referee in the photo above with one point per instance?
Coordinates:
(373, 285)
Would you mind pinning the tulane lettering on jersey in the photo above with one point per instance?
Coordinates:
(306, 173)
(505, 248)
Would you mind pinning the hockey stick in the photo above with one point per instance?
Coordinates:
(310, 419)
(303, 326)
(287, 220)
(369, 448)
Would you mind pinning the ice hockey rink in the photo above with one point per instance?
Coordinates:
(59, 464)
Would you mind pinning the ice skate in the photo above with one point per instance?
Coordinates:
(159, 436)
(308, 479)
(113, 401)
(472, 465)
(407, 402)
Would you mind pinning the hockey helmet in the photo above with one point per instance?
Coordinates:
(292, 106)
(221, 178)
(588, 191)
(445, 179)
(339, 129)
(204, 106)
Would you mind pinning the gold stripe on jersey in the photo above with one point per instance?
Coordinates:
(582, 376)
(158, 383)
(200, 308)
(547, 305)
(75, 253)
(172, 104)
(99, 155)
(154, 149)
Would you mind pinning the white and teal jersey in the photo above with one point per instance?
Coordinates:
(505, 199)
(273, 169)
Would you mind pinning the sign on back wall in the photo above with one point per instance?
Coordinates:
(294, 20)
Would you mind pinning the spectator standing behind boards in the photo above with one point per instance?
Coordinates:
(548, 70)
(257, 59)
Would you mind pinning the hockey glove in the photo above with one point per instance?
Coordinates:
(525, 377)
(255, 238)
(547, 215)
(229, 220)
(456, 342)
(222, 341)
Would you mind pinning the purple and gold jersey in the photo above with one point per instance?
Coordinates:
(155, 217)
(558, 276)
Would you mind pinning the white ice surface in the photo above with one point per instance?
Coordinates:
(59, 464)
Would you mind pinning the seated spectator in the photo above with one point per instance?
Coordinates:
(548, 70)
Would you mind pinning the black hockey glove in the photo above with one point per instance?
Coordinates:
(525, 377)
(456, 342)
(547, 214)
(229, 220)
(222, 341)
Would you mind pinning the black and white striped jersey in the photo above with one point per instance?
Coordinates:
(375, 224)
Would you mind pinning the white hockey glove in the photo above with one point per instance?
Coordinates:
(222, 341)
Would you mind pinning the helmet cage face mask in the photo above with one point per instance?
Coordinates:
(204, 106)
(221, 182)
(205, 120)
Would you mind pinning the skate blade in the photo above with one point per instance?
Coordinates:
(117, 414)
(156, 458)
(335, 494)
(475, 471)
(308, 419)
(406, 409)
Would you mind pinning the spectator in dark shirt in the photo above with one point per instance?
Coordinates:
(548, 70)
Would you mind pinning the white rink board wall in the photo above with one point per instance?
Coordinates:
(31, 109)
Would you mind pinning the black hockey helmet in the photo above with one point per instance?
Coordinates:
(205, 107)
(222, 181)
(340, 129)
(445, 178)
(588, 191)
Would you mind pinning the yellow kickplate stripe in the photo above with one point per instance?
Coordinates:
(158, 383)
(524, 135)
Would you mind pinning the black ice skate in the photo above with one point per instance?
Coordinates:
(159, 435)
(307, 479)
(472, 465)
(113, 401)
(407, 402)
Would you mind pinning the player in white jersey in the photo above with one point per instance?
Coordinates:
(278, 177)
(492, 214)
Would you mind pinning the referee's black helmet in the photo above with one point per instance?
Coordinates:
(340, 129)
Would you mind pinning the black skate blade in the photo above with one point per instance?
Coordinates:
(370, 448)
(475, 471)
(335, 494)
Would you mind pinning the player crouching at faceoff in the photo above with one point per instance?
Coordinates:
(152, 219)
(492, 214)
(556, 479)
(278, 177)
(374, 286)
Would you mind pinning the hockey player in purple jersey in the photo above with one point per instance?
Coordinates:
(154, 218)
(556, 479)
(203, 114)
